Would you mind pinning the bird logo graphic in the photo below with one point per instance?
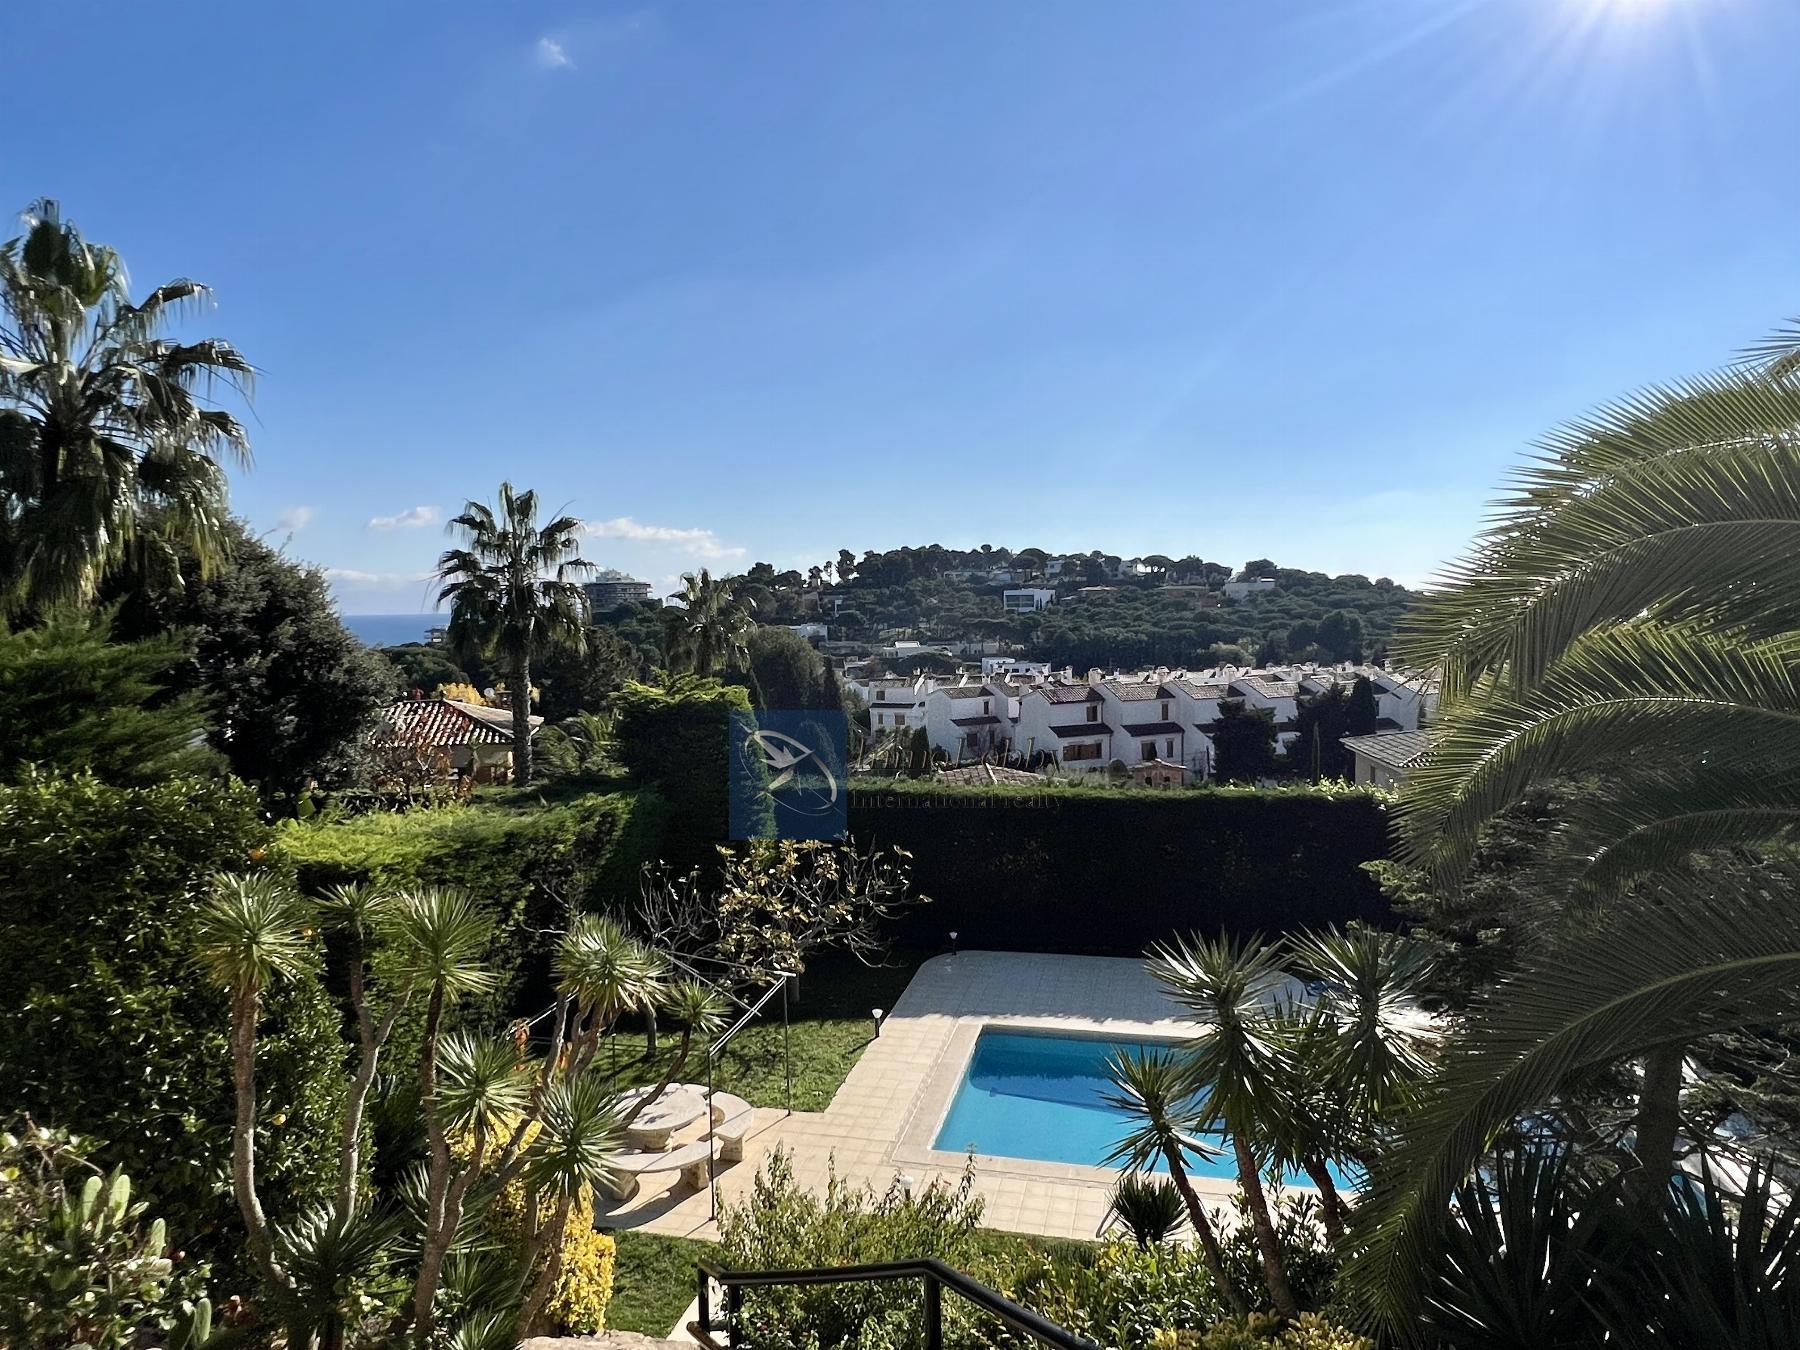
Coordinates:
(794, 769)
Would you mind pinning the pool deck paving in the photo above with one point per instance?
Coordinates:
(883, 1120)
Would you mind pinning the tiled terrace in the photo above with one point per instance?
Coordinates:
(882, 1121)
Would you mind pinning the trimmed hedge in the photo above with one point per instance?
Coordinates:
(110, 1031)
(1106, 869)
(527, 863)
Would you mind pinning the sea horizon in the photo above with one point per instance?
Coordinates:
(391, 630)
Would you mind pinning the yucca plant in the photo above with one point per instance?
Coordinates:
(698, 1011)
(1153, 1089)
(1235, 1067)
(1151, 1209)
(542, 1123)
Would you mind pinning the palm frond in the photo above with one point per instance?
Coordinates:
(1653, 818)
(1689, 955)
(1779, 353)
(1676, 694)
(1629, 510)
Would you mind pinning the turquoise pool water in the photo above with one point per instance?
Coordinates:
(1029, 1096)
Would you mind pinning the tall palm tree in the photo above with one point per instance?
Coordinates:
(1152, 1088)
(1236, 1066)
(1633, 613)
(514, 595)
(713, 623)
(110, 451)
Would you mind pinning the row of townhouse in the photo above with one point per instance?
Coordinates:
(1150, 717)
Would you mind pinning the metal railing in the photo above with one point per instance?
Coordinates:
(712, 1059)
(935, 1278)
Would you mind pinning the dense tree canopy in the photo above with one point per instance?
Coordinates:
(289, 690)
(946, 595)
(72, 699)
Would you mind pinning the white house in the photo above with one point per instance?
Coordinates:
(1066, 722)
(1027, 599)
(1143, 711)
(809, 631)
(895, 702)
(1384, 759)
(1239, 587)
(968, 721)
(1148, 718)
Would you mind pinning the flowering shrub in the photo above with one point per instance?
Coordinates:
(584, 1285)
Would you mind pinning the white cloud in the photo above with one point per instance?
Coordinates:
(352, 579)
(293, 519)
(414, 519)
(696, 542)
(552, 56)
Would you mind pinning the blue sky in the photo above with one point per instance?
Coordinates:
(1295, 278)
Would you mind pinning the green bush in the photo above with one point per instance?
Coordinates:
(780, 1225)
(1259, 1331)
(71, 698)
(110, 1032)
(80, 1261)
(1124, 1295)
(1078, 868)
(1310, 1263)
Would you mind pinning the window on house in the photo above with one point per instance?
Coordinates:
(1171, 745)
(1165, 711)
(1082, 751)
(1149, 749)
(881, 696)
(985, 709)
(1093, 710)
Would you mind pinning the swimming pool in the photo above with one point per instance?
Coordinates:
(1025, 1095)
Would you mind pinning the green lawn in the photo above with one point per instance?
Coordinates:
(829, 1024)
(653, 1281)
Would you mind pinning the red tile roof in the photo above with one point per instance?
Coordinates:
(436, 721)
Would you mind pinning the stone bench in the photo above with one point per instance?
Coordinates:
(732, 1118)
(693, 1161)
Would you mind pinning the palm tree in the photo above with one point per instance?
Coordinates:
(713, 623)
(1152, 1088)
(513, 596)
(110, 452)
(1632, 614)
(1236, 1066)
